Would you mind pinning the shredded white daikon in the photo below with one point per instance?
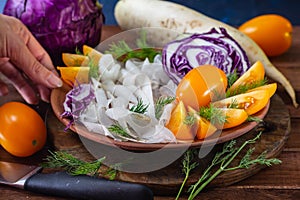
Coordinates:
(118, 89)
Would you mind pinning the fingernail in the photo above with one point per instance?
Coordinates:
(55, 81)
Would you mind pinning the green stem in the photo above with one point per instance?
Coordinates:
(204, 175)
(222, 168)
(182, 185)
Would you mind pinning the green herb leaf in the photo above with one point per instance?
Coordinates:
(72, 165)
(140, 107)
(245, 87)
(119, 130)
(188, 166)
(160, 104)
(222, 160)
(213, 114)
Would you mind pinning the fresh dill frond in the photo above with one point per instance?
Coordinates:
(188, 165)
(245, 87)
(119, 130)
(160, 103)
(123, 52)
(77, 51)
(112, 171)
(93, 72)
(190, 119)
(119, 49)
(142, 54)
(223, 161)
(142, 41)
(234, 104)
(213, 114)
(71, 164)
(231, 78)
(140, 107)
(254, 119)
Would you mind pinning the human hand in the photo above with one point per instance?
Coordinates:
(25, 62)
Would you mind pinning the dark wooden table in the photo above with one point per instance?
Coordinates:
(277, 182)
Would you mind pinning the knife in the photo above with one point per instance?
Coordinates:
(28, 177)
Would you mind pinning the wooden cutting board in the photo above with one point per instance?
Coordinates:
(276, 129)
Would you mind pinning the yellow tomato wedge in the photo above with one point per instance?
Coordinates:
(271, 88)
(202, 127)
(255, 73)
(200, 86)
(73, 60)
(74, 75)
(234, 117)
(176, 123)
(92, 53)
(251, 102)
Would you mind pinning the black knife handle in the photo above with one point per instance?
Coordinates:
(86, 187)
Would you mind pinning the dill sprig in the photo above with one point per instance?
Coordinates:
(119, 130)
(213, 114)
(119, 49)
(222, 161)
(187, 166)
(190, 119)
(231, 78)
(245, 87)
(140, 107)
(123, 52)
(78, 52)
(142, 41)
(254, 119)
(72, 165)
(160, 103)
(94, 69)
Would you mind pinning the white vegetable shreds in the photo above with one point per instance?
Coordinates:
(118, 90)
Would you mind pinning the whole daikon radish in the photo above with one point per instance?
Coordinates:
(132, 14)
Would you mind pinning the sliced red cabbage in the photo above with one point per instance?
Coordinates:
(215, 47)
(77, 100)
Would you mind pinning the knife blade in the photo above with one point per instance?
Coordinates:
(30, 178)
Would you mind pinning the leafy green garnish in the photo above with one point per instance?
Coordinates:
(93, 72)
(190, 119)
(213, 114)
(123, 52)
(160, 104)
(72, 165)
(140, 107)
(187, 166)
(254, 119)
(222, 161)
(119, 49)
(245, 87)
(231, 78)
(119, 130)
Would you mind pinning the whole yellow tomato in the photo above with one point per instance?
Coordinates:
(201, 85)
(22, 130)
(273, 33)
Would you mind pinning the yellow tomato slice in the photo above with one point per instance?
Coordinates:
(271, 88)
(92, 53)
(255, 73)
(176, 123)
(234, 117)
(202, 127)
(74, 60)
(74, 75)
(251, 102)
